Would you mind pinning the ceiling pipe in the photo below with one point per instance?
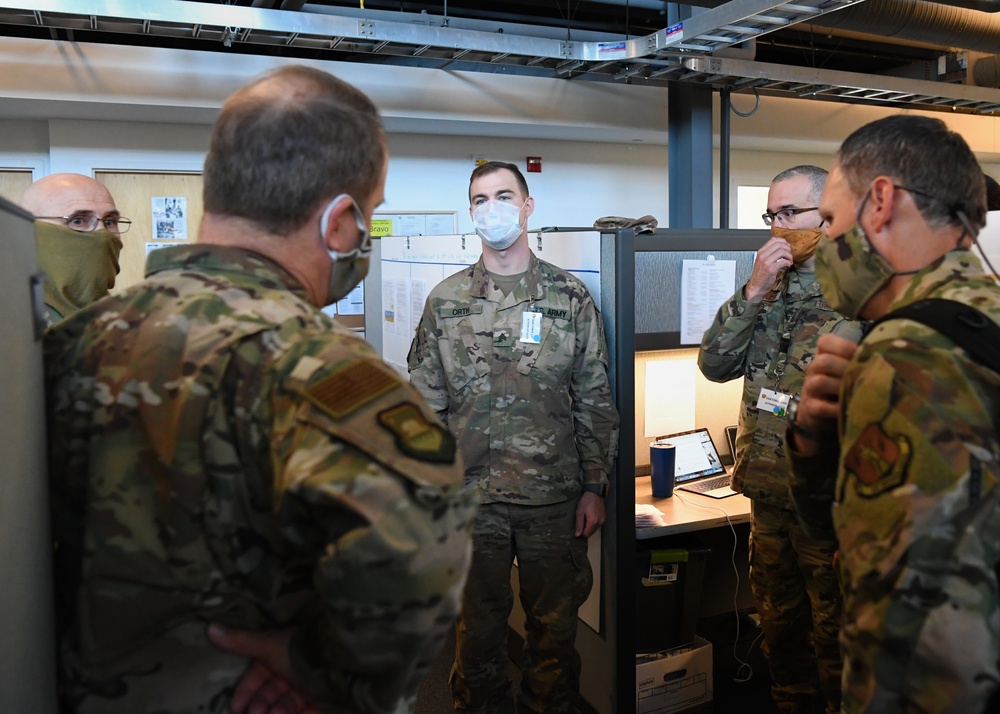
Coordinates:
(918, 21)
(981, 5)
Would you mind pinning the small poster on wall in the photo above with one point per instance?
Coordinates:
(170, 218)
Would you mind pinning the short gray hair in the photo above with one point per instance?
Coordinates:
(923, 155)
(816, 176)
(288, 142)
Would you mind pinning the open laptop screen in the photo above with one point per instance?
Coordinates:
(695, 455)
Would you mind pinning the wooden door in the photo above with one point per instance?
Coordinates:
(13, 182)
(134, 193)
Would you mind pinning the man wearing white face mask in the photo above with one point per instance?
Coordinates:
(512, 356)
(901, 430)
(252, 509)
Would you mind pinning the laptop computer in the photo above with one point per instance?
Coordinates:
(697, 465)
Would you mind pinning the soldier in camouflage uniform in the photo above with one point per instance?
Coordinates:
(766, 334)
(912, 467)
(78, 236)
(511, 354)
(222, 452)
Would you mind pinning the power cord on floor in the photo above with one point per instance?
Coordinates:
(744, 672)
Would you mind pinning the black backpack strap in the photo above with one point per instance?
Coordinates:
(966, 326)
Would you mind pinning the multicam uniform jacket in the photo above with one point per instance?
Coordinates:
(221, 451)
(770, 344)
(534, 421)
(917, 509)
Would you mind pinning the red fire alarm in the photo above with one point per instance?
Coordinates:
(534, 164)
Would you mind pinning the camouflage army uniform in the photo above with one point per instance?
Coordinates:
(794, 582)
(221, 451)
(916, 509)
(534, 423)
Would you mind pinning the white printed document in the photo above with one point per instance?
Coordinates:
(705, 285)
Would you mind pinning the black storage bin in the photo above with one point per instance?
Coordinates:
(668, 595)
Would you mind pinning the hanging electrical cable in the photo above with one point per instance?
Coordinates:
(750, 113)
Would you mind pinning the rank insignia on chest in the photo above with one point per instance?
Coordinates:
(416, 436)
(351, 386)
(502, 339)
(878, 460)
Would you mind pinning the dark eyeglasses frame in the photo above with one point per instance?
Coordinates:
(785, 214)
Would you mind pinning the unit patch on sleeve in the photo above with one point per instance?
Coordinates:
(416, 436)
(878, 460)
(352, 385)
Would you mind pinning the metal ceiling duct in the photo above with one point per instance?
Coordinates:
(919, 21)
(983, 5)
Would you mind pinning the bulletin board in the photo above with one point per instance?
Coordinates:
(414, 223)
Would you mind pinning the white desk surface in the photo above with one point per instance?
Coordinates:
(685, 512)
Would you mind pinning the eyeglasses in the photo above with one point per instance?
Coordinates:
(785, 214)
(87, 222)
(914, 190)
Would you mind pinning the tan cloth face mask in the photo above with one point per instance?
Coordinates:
(803, 242)
(80, 268)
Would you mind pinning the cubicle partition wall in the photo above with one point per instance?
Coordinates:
(641, 279)
(27, 637)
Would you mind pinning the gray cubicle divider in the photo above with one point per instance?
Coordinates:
(659, 260)
(27, 652)
(640, 280)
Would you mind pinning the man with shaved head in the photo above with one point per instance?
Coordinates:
(78, 236)
(253, 510)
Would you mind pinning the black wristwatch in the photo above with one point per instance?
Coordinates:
(601, 489)
(793, 412)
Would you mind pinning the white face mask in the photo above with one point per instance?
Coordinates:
(497, 223)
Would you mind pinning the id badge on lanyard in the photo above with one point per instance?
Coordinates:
(531, 327)
(773, 402)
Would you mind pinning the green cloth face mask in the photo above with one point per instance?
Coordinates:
(80, 268)
(850, 271)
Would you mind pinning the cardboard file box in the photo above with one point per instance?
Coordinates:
(674, 680)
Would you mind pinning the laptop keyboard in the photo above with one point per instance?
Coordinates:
(709, 484)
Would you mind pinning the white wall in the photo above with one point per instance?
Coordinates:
(579, 182)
